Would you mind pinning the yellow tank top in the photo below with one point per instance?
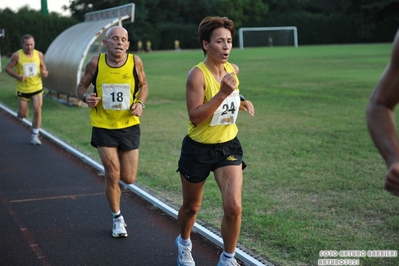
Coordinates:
(118, 88)
(30, 68)
(220, 127)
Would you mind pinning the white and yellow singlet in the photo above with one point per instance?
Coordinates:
(221, 126)
(30, 68)
(117, 87)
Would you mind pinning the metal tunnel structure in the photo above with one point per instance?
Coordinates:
(66, 55)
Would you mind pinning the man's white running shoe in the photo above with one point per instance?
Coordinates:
(35, 140)
(184, 257)
(119, 230)
(224, 261)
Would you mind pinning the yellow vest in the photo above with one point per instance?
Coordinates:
(204, 132)
(30, 67)
(118, 88)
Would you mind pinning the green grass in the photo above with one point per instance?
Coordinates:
(314, 179)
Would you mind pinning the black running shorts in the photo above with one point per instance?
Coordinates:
(27, 96)
(124, 139)
(197, 160)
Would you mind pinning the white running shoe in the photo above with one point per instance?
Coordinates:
(119, 230)
(184, 257)
(35, 140)
(224, 261)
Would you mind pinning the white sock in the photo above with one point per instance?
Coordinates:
(184, 242)
(35, 130)
(228, 255)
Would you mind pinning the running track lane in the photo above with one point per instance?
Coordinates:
(53, 211)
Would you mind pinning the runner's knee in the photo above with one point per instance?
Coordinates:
(191, 209)
(233, 210)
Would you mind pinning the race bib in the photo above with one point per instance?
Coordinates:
(116, 96)
(227, 112)
(30, 69)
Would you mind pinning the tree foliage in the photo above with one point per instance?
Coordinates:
(163, 21)
(342, 21)
(152, 16)
(374, 18)
(28, 21)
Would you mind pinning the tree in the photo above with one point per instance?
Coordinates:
(240, 11)
(318, 21)
(374, 18)
(29, 21)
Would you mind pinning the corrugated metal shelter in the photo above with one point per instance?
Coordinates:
(65, 58)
